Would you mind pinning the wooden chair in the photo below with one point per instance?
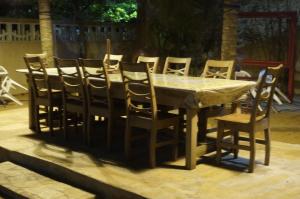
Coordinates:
(42, 93)
(99, 101)
(138, 91)
(168, 69)
(151, 61)
(114, 61)
(257, 120)
(218, 69)
(213, 69)
(182, 66)
(74, 96)
(6, 84)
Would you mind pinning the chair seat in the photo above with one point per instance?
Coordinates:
(238, 118)
(164, 120)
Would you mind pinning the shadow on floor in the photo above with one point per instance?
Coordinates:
(98, 153)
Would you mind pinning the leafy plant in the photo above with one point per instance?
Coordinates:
(121, 12)
(95, 10)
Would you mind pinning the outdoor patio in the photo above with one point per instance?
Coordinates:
(160, 99)
(103, 175)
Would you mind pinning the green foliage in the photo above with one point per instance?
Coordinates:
(121, 12)
(77, 10)
(95, 10)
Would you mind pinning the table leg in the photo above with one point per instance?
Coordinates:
(191, 138)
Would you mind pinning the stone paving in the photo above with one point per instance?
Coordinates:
(280, 180)
(35, 186)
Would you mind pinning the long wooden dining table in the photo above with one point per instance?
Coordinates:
(186, 92)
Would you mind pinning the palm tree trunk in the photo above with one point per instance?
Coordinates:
(141, 29)
(229, 34)
(46, 30)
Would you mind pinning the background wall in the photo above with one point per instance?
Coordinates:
(21, 36)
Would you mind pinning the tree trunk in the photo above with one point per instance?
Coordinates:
(229, 33)
(46, 30)
(141, 29)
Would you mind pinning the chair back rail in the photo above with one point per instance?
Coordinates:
(152, 62)
(114, 61)
(264, 92)
(62, 63)
(218, 69)
(182, 65)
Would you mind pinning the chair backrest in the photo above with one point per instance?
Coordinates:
(264, 92)
(38, 77)
(114, 61)
(218, 69)
(97, 83)
(152, 62)
(139, 89)
(71, 79)
(3, 71)
(63, 63)
(182, 66)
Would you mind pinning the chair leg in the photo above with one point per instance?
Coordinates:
(76, 115)
(267, 145)
(127, 140)
(88, 129)
(252, 151)
(236, 143)
(152, 147)
(65, 120)
(50, 118)
(60, 115)
(46, 108)
(175, 146)
(85, 135)
(219, 141)
(37, 119)
(108, 135)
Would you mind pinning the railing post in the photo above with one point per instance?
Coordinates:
(32, 32)
(9, 31)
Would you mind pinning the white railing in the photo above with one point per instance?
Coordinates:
(30, 31)
(71, 32)
(19, 31)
